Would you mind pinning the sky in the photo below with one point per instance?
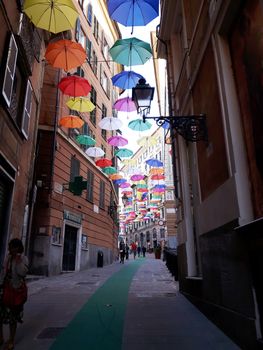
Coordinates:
(147, 71)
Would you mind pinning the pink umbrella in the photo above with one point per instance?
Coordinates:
(124, 105)
(125, 185)
(137, 177)
(117, 141)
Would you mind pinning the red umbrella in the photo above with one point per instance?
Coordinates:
(104, 162)
(157, 177)
(73, 85)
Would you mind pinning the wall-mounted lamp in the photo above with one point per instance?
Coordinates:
(191, 127)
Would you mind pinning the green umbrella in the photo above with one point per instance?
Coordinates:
(131, 51)
(124, 153)
(85, 140)
(139, 125)
(109, 170)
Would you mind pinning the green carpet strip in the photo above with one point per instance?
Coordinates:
(99, 324)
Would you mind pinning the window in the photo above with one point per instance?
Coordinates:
(105, 49)
(93, 99)
(102, 194)
(82, 38)
(94, 62)
(80, 72)
(74, 168)
(77, 30)
(84, 241)
(88, 49)
(103, 148)
(90, 184)
(89, 14)
(16, 88)
(56, 235)
(104, 81)
(104, 114)
(95, 28)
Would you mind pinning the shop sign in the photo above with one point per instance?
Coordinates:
(72, 217)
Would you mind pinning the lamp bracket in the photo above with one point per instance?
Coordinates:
(191, 127)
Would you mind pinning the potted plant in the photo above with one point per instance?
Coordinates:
(157, 252)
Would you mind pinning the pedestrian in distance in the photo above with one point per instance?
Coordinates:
(122, 252)
(139, 251)
(127, 251)
(143, 251)
(134, 249)
(13, 291)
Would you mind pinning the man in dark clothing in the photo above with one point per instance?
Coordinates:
(143, 251)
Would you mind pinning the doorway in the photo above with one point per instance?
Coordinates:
(70, 248)
(5, 198)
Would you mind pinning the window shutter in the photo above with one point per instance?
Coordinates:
(88, 49)
(90, 182)
(10, 71)
(27, 110)
(90, 14)
(77, 33)
(102, 194)
(74, 168)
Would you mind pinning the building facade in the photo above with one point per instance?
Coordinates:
(68, 230)
(213, 51)
(21, 49)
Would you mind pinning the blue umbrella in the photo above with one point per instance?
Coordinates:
(119, 181)
(154, 162)
(133, 12)
(126, 79)
(159, 186)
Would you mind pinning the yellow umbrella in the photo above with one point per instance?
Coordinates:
(52, 15)
(80, 104)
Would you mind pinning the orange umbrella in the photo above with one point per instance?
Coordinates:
(65, 54)
(156, 171)
(115, 176)
(71, 122)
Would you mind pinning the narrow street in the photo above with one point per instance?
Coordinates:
(156, 315)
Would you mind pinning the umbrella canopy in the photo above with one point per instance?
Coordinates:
(71, 122)
(137, 177)
(125, 104)
(104, 162)
(52, 15)
(133, 13)
(65, 54)
(125, 185)
(95, 152)
(139, 125)
(156, 171)
(157, 177)
(154, 162)
(117, 141)
(110, 123)
(131, 51)
(80, 104)
(74, 85)
(115, 176)
(124, 153)
(109, 170)
(85, 140)
(126, 79)
(119, 181)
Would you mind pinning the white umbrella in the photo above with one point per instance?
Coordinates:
(110, 123)
(95, 152)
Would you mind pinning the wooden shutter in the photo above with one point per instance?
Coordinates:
(102, 194)
(88, 49)
(10, 70)
(89, 15)
(27, 110)
(74, 168)
(90, 183)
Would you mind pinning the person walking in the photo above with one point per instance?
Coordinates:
(127, 251)
(122, 252)
(139, 251)
(143, 251)
(134, 249)
(13, 291)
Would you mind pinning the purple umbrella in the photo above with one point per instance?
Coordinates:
(137, 177)
(126, 79)
(117, 141)
(125, 185)
(125, 104)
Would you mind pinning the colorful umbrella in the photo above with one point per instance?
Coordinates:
(74, 85)
(95, 152)
(124, 153)
(65, 54)
(125, 104)
(80, 104)
(142, 190)
(117, 141)
(85, 140)
(128, 193)
(154, 162)
(139, 125)
(156, 171)
(126, 79)
(115, 176)
(110, 123)
(125, 185)
(103, 163)
(52, 15)
(133, 13)
(157, 177)
(109, 170)
(119, 181)
(137, 177)
(131, 52)
(71, 122)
